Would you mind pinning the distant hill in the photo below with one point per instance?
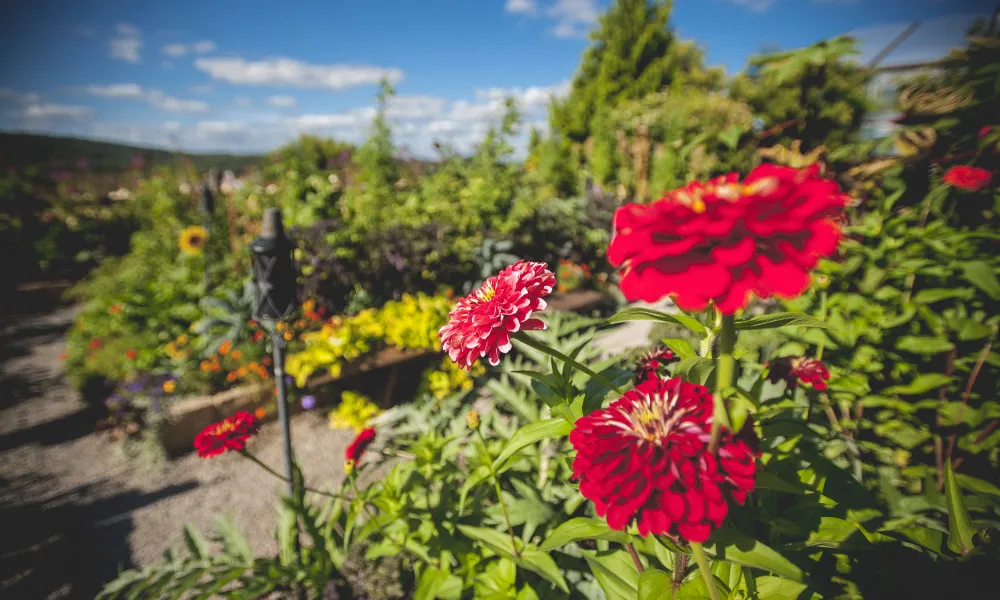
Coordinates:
(24, 150)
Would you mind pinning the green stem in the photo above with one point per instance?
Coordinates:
(706, 572)
(635, 556)
(529, 341)
(725, 365)
(496, 486)
(822, 317)
(260, 464)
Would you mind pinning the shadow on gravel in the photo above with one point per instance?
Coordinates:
(18, 340)
(58, 431)
(69, 545)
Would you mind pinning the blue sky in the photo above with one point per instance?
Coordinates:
(247, 76)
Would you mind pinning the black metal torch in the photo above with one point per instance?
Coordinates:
(274, 300)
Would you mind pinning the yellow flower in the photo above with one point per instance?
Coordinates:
(169, 386)
(192, 240)
(354, 412)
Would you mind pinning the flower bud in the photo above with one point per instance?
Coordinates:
(348, 466)
(472, 418)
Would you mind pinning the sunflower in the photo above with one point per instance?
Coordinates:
(192, 240)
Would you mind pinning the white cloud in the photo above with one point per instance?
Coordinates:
(126, 44)
(178, 50)
(528, 97)
(156, 98)
(242, 101)
(47, 111)
(416, 107)
(355, 118)
(574, 18)
(292, 73)
(16, 97)
(282, 101)
(201, 89)
(526, 7)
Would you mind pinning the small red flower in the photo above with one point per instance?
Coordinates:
(645, 458)
(985, 131)
(95, 344)
(801, 369)
(115, 309)
(651, 361)
(481, 323)
(724, 240)
(357, 448)
(230, 434)
(963, 177)
(131, 354)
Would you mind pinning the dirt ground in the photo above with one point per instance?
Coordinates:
(74, 510)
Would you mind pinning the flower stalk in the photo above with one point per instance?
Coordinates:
(496, 486)
(706, 572)
(725, 365)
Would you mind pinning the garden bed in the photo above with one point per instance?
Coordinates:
(187, 416)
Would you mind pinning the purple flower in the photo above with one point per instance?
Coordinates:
(288, 380)
(308, 402)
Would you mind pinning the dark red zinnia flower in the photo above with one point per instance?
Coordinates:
(972, 179)
(357, 448)
(481, 323)
(645, 458)
(724, 240)
(651, 361)
(799, 369)
(226, 435)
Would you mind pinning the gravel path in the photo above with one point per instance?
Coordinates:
(73, 510)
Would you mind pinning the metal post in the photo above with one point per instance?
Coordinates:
(277, 350)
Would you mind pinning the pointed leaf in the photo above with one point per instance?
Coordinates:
(959, 528)
(615, 573)
(529, 434)
(635, 313)
(581, 528)
(478, 476)
(681, 347)
(540, 562)
(775, 320)
(731, 545)
(981, 275)
(654, 585)
(595, 391)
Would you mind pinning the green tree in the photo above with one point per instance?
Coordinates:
(376, 158)
(632, 53)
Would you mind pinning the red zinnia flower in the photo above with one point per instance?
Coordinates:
(724, 240)
(972, 179)
(95, 344)
(793, 370)
(645, 458)
(481, 323)
(230, 434)
(131, 354)
(653, 360)
(357, 448)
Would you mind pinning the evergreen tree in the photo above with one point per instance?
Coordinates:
(632, 53)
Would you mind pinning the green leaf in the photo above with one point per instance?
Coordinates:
(635, 313)
(195, 543)
(478, 476)
(527, 593)
(920, 384)
(937, 294)
(595, 391)
(616, 574)
(776, 588)
(540, 562)
(695, 369)
(730, 137)
(496, 541)
(959, 528)
(923, 344)
(776, 320)
(529, 434)
(233, 541)
(581, 528)
(654, 585)
(681, 348)
(976, 485)
(981, 275)
(429, 584)
(733, 546)
(770, 481)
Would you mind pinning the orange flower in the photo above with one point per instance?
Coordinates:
(260, 413)
(204, 366)
(241, 372)
(257, 336)
(182, 339)
(95, 344)
(131, 354)
(216, 367)
(169, 386)
(288, 335)
(236, 354)
(63, 355)
(225, 347)
(231, 376)
(300, 324)
(266, 360)
(115, 309)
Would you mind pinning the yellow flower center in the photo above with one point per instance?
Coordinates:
(487, 292)
(224, 427)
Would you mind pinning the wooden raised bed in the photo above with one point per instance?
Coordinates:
(188, 416)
